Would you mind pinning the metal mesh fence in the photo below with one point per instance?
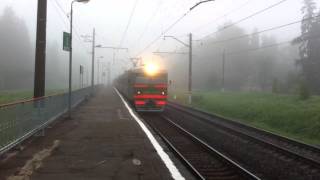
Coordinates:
(21, 120)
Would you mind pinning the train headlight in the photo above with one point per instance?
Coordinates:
(163, 93)
(151, 69)
(138, 92)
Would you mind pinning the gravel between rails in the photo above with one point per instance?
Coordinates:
(259, 157)
(205, 161)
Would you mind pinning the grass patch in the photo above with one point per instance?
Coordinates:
(282, 114)
(13, 96)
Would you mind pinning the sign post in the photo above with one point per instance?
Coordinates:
(66, 41)
(81, 76)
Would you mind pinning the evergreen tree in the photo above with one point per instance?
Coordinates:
(17, 61)
(309, 46)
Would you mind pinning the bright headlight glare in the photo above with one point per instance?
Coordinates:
(151, 69)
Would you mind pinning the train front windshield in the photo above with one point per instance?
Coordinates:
(158, 79)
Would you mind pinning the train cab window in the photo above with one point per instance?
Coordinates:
(151, 80)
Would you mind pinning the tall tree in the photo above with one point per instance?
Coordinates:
(16, 62)
(265, 63)
(309, 46)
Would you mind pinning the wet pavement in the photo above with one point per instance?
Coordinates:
(101, 141)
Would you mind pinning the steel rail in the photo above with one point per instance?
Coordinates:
(221, 157)
(207, 117)
(176, 151)
(239, 168)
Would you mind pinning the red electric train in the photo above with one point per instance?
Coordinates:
(146, 88)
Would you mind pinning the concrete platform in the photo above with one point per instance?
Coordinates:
(102, 141)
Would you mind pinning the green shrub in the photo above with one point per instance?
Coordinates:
(275, 86)
(197, 98)
(284, 114)
(304, 92)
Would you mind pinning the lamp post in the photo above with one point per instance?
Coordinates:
(70, 56)
(98, 62)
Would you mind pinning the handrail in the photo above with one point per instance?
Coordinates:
(34, 99)
(22, 122)
(28, 100)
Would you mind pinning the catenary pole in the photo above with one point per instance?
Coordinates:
(93, 56)
(40, 57)
(70, 56)
(223, 69)
(98, 74)
(109, 73)
(190, 69)
(114, 55)
(189, 45)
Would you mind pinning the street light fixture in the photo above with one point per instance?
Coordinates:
(201, 2)
(83, 1)
(70, 55)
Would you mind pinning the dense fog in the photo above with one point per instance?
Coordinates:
(250, 64)
(281, 60)
(17, 52)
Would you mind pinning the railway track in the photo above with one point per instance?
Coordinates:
(282, 153)
(205, 161)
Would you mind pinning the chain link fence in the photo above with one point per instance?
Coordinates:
(21, 120)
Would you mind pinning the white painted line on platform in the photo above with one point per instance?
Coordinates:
(164, 156)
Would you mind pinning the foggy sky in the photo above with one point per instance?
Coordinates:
(150, 18)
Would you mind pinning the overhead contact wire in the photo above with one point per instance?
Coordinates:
(246, 18)
(129, 22)
(164, 32)
(265, 30)
(226, 14)
(63, 20)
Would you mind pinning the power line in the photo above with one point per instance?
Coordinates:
(171, 26)
(271, 45)
(265, 30)
(62, 17)
(59, 13)
(60, 7)
(129, 22)
(225, 15)
(255, 49)
(160, 44)
(149, 21)
(259, 48)
(246, 18)
(65, 15)
(164, 32)
(167, 13)
(167, 52)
